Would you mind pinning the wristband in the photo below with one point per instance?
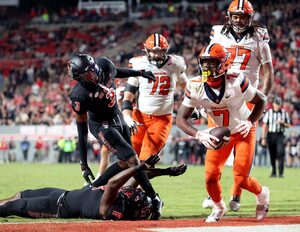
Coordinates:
(127, 105)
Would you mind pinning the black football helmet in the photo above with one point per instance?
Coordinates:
(84, 69)
(137, 204)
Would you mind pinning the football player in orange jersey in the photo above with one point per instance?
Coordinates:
(151, 119)
(224, 98)
(247, 42)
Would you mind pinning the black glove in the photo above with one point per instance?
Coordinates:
(151, 161)
(177, 170)
(87, 174)
(148, 75)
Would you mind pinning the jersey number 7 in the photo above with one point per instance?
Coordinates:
(225, 114)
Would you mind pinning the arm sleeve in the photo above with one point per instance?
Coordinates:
(125, 73)
(82, 130)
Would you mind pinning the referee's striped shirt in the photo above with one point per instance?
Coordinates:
(271, 118)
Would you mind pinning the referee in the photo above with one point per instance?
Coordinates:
(274, 123)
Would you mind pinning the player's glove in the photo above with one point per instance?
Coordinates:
(244, 128)
(207, 139)
(87, 174)
(148, 75)
(152, 160)
(131, 124)
(148, 163)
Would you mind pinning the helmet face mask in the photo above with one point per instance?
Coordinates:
(156, 54)
(240, 22)
(156, 47)
(213, 64)
(84, 69)
(240, 13)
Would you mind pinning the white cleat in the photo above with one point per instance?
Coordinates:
(234, 203)
(218, 212)
(262, 201)
(208, 203)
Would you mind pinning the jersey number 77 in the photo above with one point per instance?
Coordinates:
(244, 53)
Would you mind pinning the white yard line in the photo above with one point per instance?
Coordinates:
(264, 228)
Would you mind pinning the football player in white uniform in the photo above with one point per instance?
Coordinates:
(247, 42)
(151, 119)
(224, 98)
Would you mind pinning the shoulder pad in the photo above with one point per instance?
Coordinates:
(215, 31)
(262, 34)
(195, 85)
(107, 65)
(178, 62)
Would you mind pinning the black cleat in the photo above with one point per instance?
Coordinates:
(157, 208)
(177, 170)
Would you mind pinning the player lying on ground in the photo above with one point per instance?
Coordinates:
(113, 202)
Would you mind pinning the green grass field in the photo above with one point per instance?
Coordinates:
(182, 195)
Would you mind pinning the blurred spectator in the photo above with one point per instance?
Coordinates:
(60, 146)
(38, 153)
(261, 153)
(69, 148)
(25, 145)
(293, 149)
(3, 151)
(12, 150)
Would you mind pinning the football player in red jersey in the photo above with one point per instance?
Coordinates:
(94, 103)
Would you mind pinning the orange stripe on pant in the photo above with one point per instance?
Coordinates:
(152, 134)
(215, 161)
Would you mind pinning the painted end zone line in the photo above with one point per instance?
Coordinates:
(262, 228)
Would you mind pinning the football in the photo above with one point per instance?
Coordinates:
(222, 133)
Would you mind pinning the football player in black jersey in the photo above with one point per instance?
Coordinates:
(94, 101)
(111, 202)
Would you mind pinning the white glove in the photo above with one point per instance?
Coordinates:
(207, 139)
(244, 127)
(131, 124)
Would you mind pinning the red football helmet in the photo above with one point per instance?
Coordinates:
(213, 63)
(240, 14)
(156, 46)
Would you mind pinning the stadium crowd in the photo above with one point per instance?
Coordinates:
(34, 86)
